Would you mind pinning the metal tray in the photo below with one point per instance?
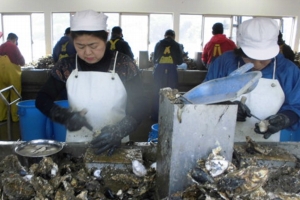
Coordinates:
(38, 148)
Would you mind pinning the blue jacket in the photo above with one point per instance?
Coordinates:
(287, 73)
(58, 48)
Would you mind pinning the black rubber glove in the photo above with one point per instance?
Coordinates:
(73, 121)
(111, 136)
(276, 123)
(243, 111)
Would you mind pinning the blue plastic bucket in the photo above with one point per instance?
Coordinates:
(32, 121)
(153, 135)
(59, 131)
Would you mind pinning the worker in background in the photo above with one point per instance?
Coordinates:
(117, 43)
(285, 49)
(217, 45)
(183, 65)
(64, 47)
(10, 48)
(276, 97)
(10, 61)
(167, 55)
(104, 88)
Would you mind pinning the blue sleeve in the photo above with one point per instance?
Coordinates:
(222, 66)
(288, 75)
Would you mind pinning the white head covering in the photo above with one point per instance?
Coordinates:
(88, 20)
(258, 38)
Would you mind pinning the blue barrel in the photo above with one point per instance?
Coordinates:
(32, 121)
(153, 135)
(59, 131)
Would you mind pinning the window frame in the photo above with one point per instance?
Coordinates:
(290, 38)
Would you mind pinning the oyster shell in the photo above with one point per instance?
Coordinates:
(15, 187)
(247, 181)
(11, 163)
(82, 195)
(216, 167)
(43, 186)
(283, 195)
(61, 194)
(171, 94)
(215, 163)
(138, 168)
(46, 168)
(253, 147)
(198, 175)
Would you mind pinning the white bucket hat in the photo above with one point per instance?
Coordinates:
(258, 38)
(88, 20)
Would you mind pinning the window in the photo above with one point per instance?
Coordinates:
(159, 23)
(20, 25)
(30, 29)
(38, 36)
(190, 33)
(287, 29)
(60, 21)
(112, 20)
(210, 21)
(236, 21)
(139, 35)
(135, 32)
(141, 31)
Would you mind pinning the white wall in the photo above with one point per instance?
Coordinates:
(176, 7)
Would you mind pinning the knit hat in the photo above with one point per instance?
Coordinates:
(170, 33)
(67, 31)
(88, 20)
(257, 38)
(218, 28)
(116, 30)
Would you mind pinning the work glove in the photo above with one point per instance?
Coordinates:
(111, 135)
(274, 124)
(73, 121)
(243, 111)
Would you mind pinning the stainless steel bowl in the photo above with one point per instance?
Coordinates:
(38, 148)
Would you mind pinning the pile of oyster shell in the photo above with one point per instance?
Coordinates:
(45, 62)
(217, 178)
(213, 178)
(70, 180)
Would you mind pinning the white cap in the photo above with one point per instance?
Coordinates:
(258, 38)
(88, 20)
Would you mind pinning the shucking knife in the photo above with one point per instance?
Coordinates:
(243, 100)
(263, 124)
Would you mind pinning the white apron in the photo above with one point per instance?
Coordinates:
(265, 100)
(102, 94)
